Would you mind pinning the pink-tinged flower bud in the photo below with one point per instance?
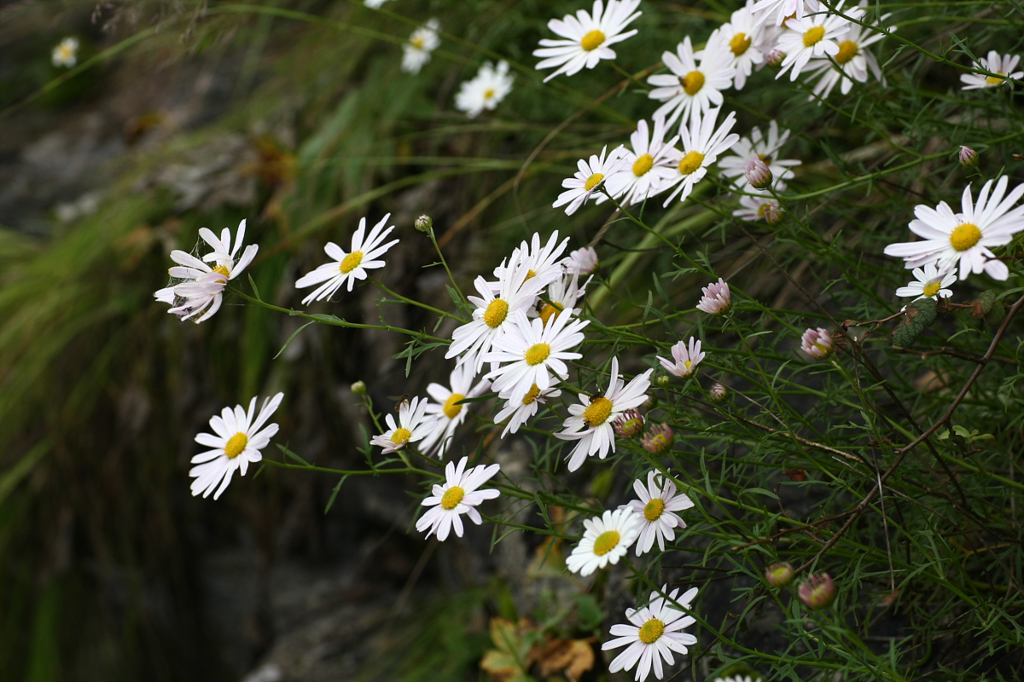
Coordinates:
(779, 575)
(658, 439)
(818, 591)
(968, 157)
(817, 343)
(757, 173)
(629, 424)
(718, 393)
(775, 57)
(583, 260)
(771, 212)
(716, 299)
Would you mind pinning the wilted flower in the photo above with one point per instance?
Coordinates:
(968, 157)
(716, 299)
(658, 439)
(816, 342)
(685, 358)
(757, 173)
(779, 575)
(818, 591)
(718, 393)
(629, 424)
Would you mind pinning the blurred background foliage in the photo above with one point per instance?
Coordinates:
(295, 116)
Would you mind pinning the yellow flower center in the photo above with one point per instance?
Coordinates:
(350, 262)
(537, 353)
(496, 313)
(235, 445)
(847, 51)
(592, 40)
(606, 542)
(488, 93)
(400, 436)
(688, 364)
(531, 395)
(692, 82)
(530, 274)
(994, 80)
(813, 36)
(690, 163)
(965, 236)
(548, 311)
(654, 508)
(417, 42)
(597, 411)
(651, 631)
(223, 270)
(642, 165)
(452, 497)
(593, 181)
(931, 289)
(739, 44)
(451, 406)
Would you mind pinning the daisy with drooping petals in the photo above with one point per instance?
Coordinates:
(587, 180)
(586, 38)
(458, 496)
(520, 410)
(763, 147)
(516, 290)
(606, 539)
(930, 283)
(591, 421)
(200, 287)
(741, 36)
(351, 266)
(533, 352)
(237, 443)
(817, 343)
(1004, 66)
(422, 42)
(701, 143)
(754, 207)
(648, 164)
(852, 60)
(486, 90)
(654, 633)
(66, 53)
(966, 237)
(414, 424)
(584, 261)
(691, 90)
(782, 9)
(815, 35)
(450, 413)
(658, 506)
(543, 263)
(686, 359)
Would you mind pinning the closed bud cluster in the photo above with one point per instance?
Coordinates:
(658, 439)
(779, 575)
(757, 173)
(968, 157)
(424, 223)
(818, 591)
(359, 388)
(629, 424)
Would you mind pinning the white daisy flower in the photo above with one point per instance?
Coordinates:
(701, 143)
(648, 164)
(237, 443)
(543, 263)
(450, 414)
(490, 85)
(562, 295)
(351, 266)
(967, 237)
(765, 148)
(516, 290)
(814, 35)
(586, 38)
(686, 359)
(930, 283)
(778, 10)
(741, 36)
(66, 53)
(422, 42)
(1004, 66)
(653, 634)
(853, 60)
(583, 261)
(534, 351)
(458, 496)
(201, 287)
(517, 410)
(591, 421)
(606, 539)
(587, 180)
(692, 91)
(414, 424)
(754, 207)
(658, 506)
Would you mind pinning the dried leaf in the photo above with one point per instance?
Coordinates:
(571, 656)
(796, 474)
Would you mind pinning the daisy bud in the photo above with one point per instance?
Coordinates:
(771, 212)
(775, 57)
(663, 381)
(818, 591)
(817, 343)
(757, 173)
(716, 299)
(629, 424)
(718, 393)
(359, 388)
(658, 439)
(779, 575)
(424, 223)
(968, 157)
(583, 260)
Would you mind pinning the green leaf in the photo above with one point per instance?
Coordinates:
(334, 494)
